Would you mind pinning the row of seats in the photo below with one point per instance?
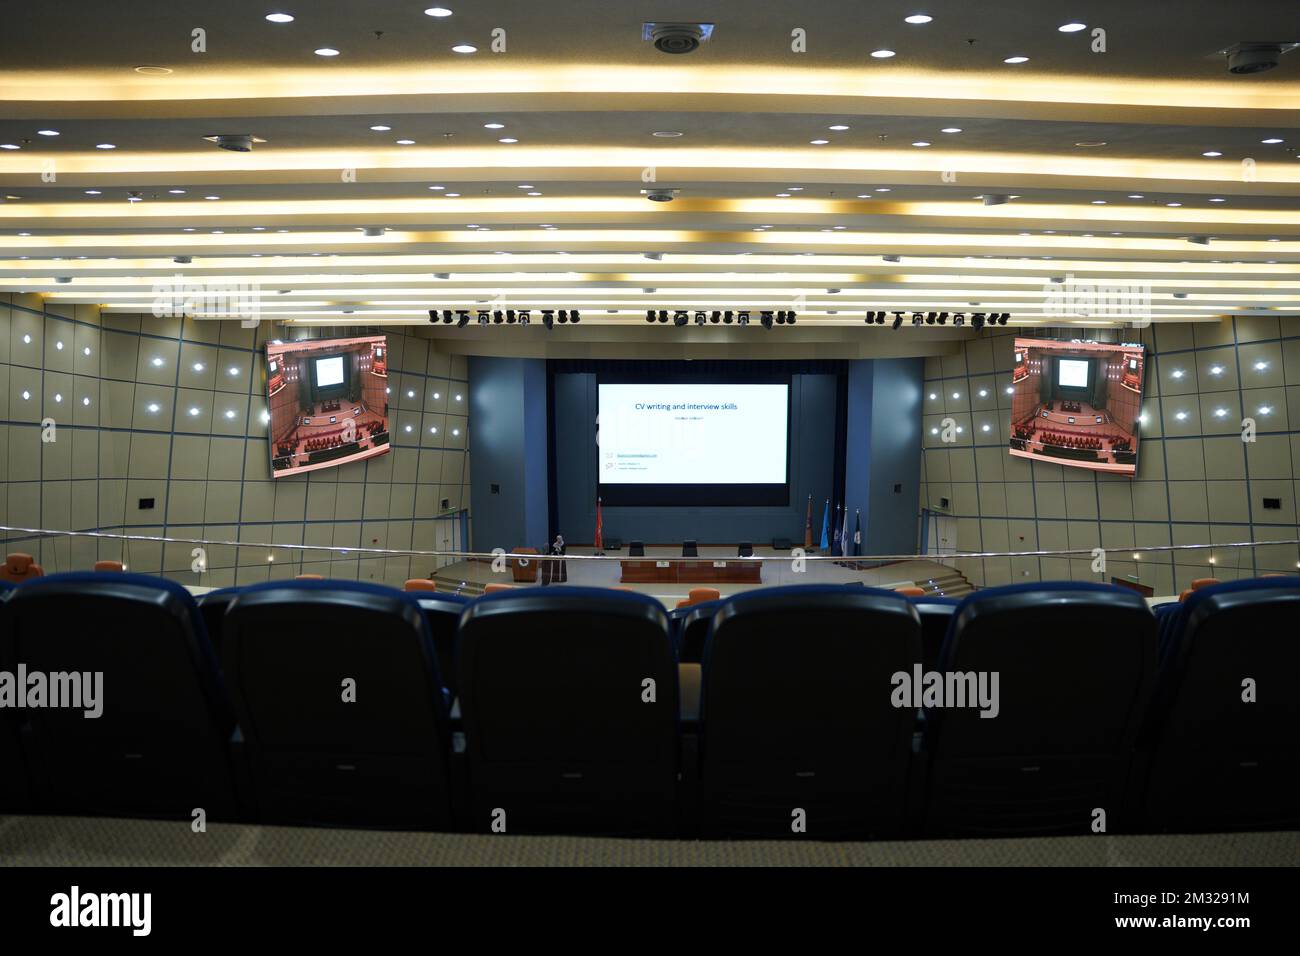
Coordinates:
(19, 567)
(324, 444)
(571, 710)
(1070, 441)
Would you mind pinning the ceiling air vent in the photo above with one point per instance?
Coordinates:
(676, 37)
(235, 142)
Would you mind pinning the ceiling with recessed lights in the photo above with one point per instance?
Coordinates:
(393, 157)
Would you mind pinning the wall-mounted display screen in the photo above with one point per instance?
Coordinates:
(1077, 403)
(682, 443)
(328, 402)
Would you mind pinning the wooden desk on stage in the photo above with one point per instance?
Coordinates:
(651, 571)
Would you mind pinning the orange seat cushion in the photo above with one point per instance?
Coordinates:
(21, 567)
(1199, 583)
(419, 584)
(910, 591)
(493, 588)
(108, 565)
(699, 595)
(1183, 596)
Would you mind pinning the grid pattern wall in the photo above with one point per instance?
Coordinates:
(1198, 482)
(175, 411)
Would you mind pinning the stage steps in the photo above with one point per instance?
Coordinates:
(948, 582)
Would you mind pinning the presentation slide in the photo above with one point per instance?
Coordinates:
(678, 434)
(329, 371)
(1073, 373)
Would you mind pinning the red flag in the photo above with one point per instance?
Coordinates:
(599, 543)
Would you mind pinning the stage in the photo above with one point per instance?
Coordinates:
(473, 576)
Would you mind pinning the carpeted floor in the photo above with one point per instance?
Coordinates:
(77, 841)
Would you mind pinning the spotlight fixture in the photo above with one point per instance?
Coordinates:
(510, 317)
(659, 195)
(524, 316)
(790, 317)
(235, 142)
(548, 319)
(649, 315)
(498, 317)
(716, 317)
(765, 317)
(373, 230)
(483, 317)
(575, 316)
(1246, 58)
(701, 318)
(462, 318)
(663, 315)
(727, 317)
(679, 318)
(743, 317)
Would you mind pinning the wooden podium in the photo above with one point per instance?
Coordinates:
(695, 571)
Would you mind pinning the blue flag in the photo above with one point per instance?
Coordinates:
(836, 548)
(826, 525)
(844, 533)
(857, 534)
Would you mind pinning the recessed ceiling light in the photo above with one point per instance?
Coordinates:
(882, 54)
(920, 142)
(93, 192)
(381, 129)
(1173, 204)
(464, 48)
(406, 142)
(918, 18)
(1136, 196)
(1272, 140)
(494, 125)
(534, 194)
(10, 146)
(1073, 27)
(1212, 153)
(1091, 142)
(1099, 202)
(1218, 199)
(882, 189)
(279, 18)
(327, 51)
(211, 197)
(839, 128)
(177, 192)
(951, 129)
(105, 146)
(48, 132)
(437, 12)
(1016, 59)
(818, 142)
(507, 139)
(452, 195)
(154, 70)
(438, 187)
(667, 133)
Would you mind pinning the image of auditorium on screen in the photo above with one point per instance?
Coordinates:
(328, 402)
(1077, 403)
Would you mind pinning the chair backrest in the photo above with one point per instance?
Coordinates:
(309, 577)
(494, 588)
(20, 567)
(636, 549)
(1074, 664)
(1198, 583)
(1221, 734)
(213, 606)
(559, 730)
(689, 549)
(338, 693)
(160, 746)
(693, 630)
(419, 584)
(442, 612)
(109, 566)
(936, 615)
(910, 591)
(699, 595)
(15, 790)
(796, 711)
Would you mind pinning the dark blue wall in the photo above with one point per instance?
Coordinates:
(884, 452)
(812, 459)
(507, 447)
